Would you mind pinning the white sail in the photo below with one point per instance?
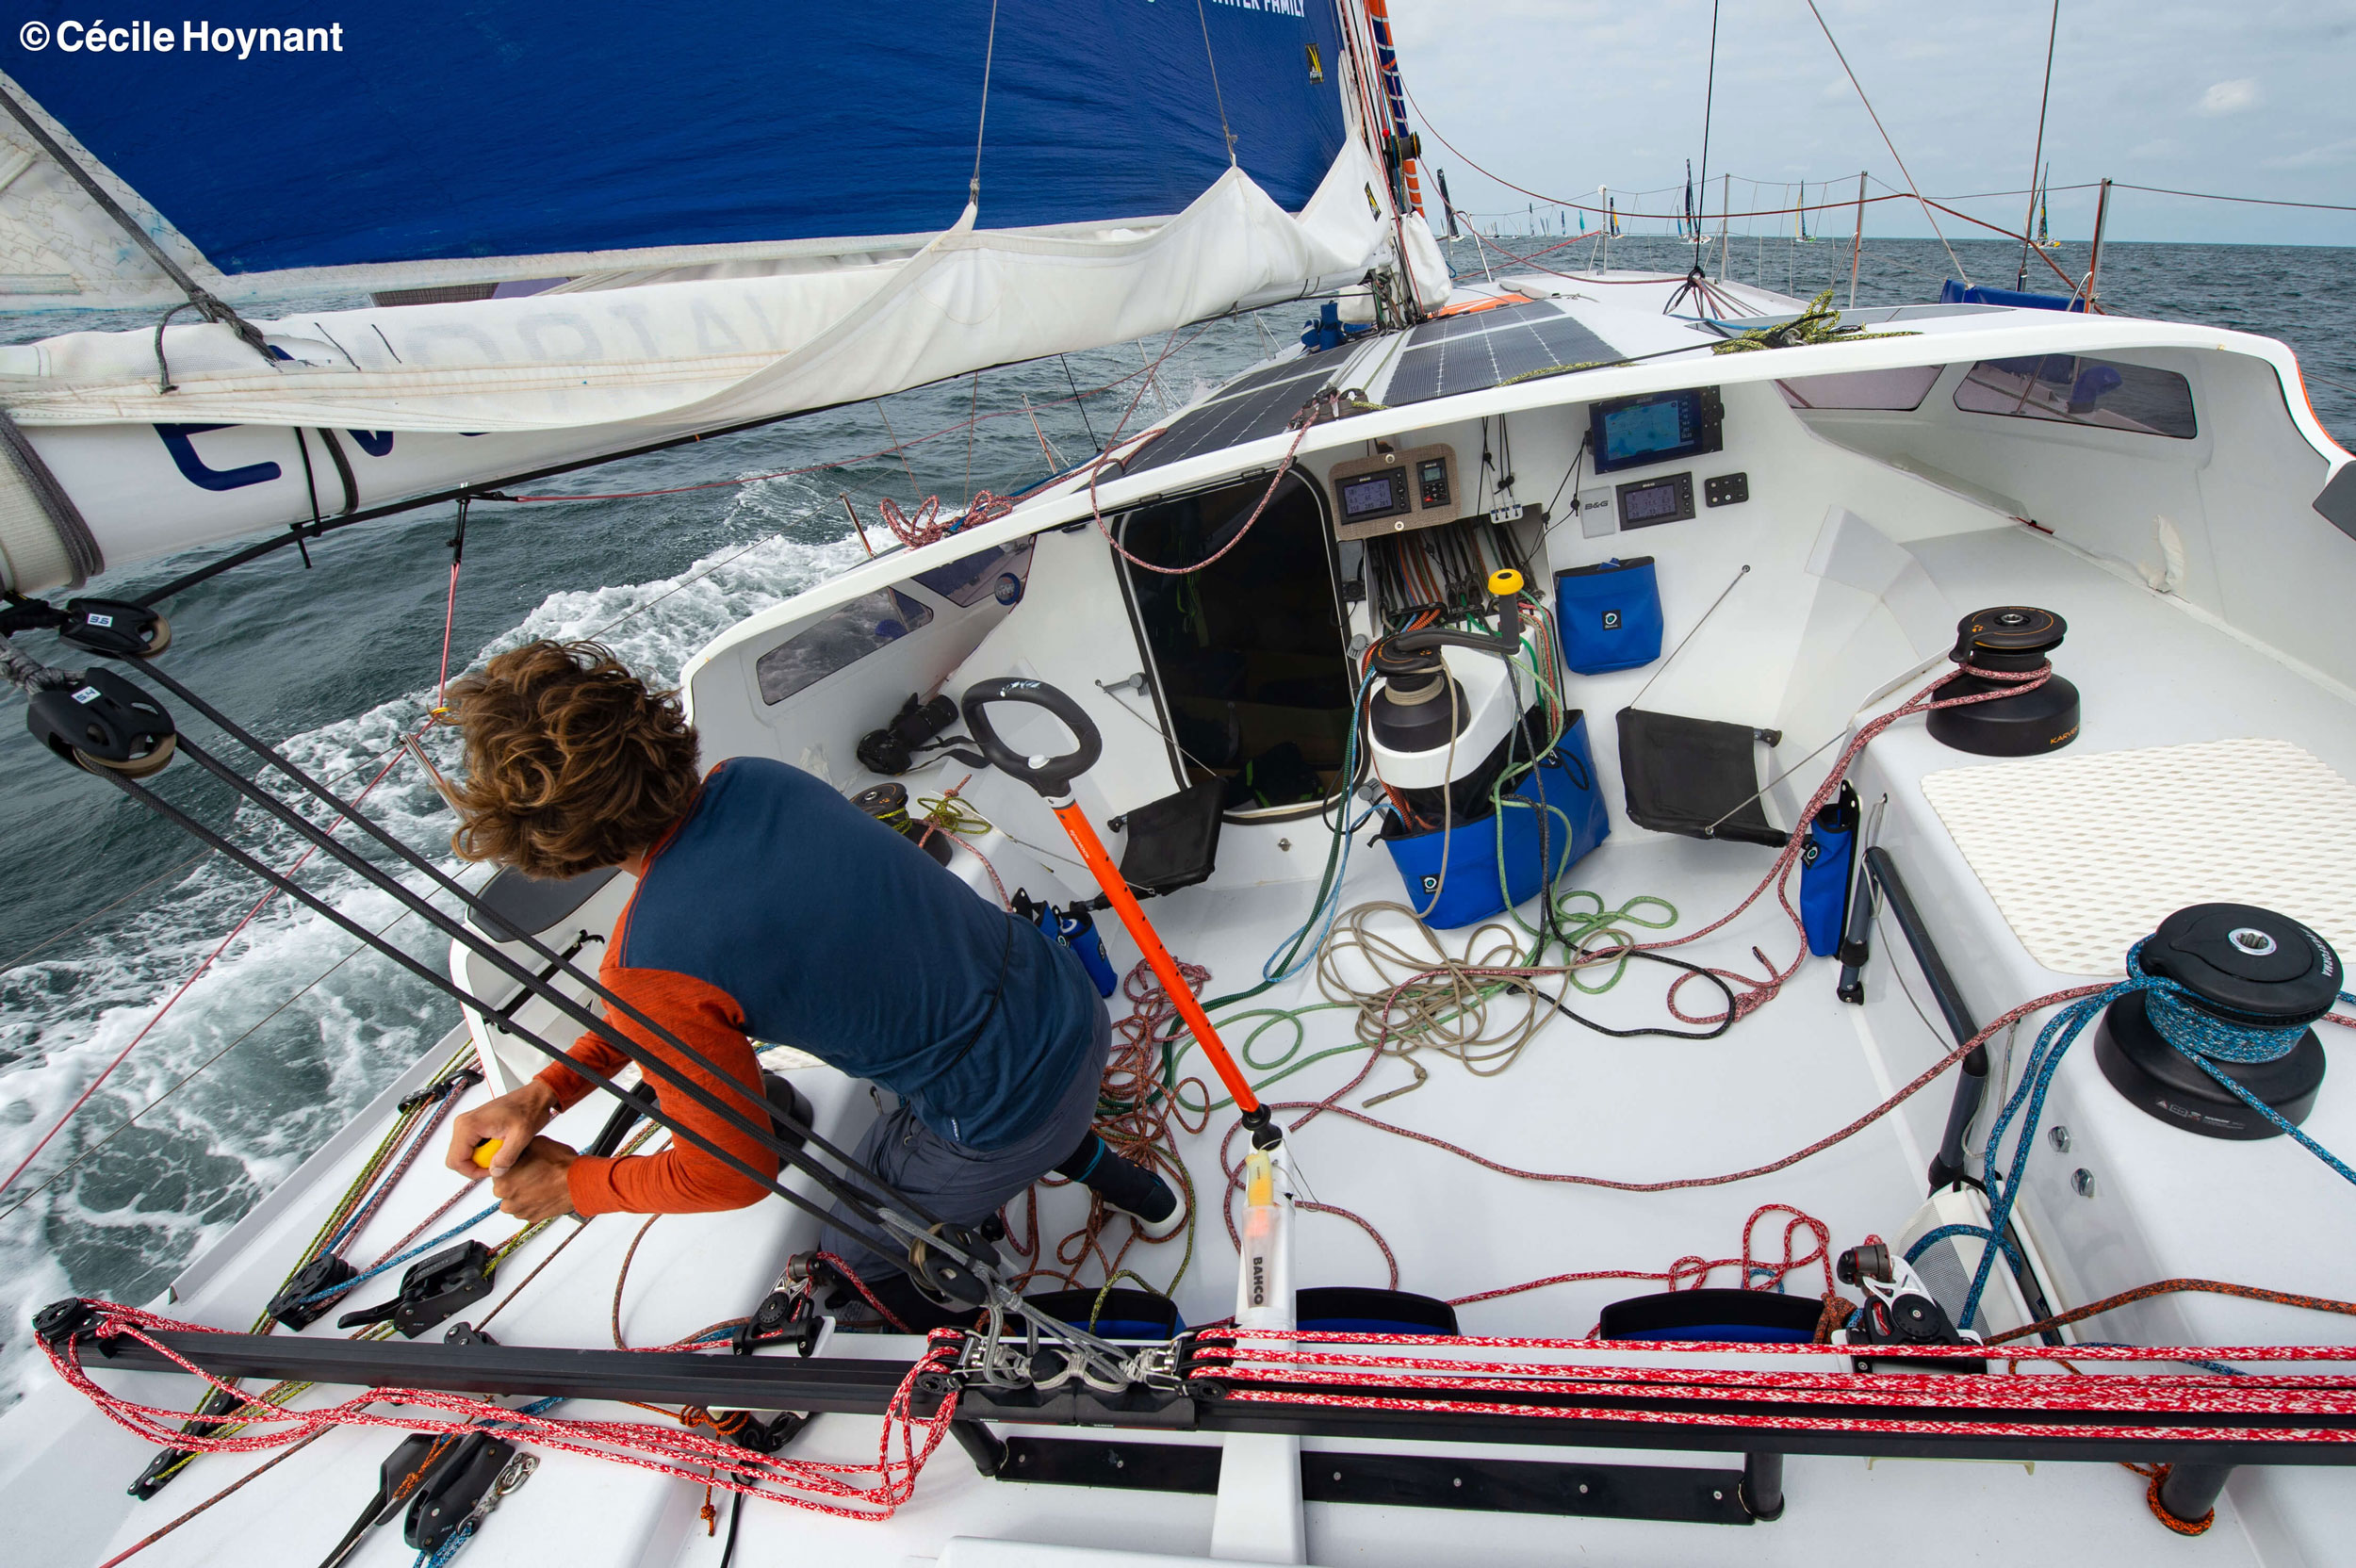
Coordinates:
(206, 429)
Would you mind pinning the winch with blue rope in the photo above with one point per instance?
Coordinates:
(2208, 1032)
(2238, 1032)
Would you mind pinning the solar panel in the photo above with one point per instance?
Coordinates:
(1515, 342)
(1479, 321)
(1260, 404)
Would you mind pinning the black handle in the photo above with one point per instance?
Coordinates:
(1050, 776)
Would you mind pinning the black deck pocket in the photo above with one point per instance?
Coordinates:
(535, 904)
(1763, 1315)
(1695, 776)
(1173, 842)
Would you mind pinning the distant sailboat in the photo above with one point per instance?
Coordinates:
(1799, 218)
(2044, 240)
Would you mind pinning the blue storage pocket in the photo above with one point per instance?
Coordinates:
(1825, 872)
(1466, 873)
(1609, 615)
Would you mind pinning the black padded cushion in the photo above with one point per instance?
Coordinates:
(1763, 1315)
(533, 905)
(1682, 775)
(1173, 842)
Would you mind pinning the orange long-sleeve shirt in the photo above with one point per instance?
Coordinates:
(681, 1179)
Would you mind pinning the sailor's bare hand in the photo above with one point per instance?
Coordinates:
(535, 1187)
(513, 1118)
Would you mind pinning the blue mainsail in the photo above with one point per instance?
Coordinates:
(441, 129)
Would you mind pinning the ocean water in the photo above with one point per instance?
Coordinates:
(294, 1027)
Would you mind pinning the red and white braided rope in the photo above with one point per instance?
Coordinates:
(843, 1489)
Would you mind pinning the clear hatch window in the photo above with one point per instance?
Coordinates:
(1897, 390)
(841, 638)
(966, 582)
(2077, 390)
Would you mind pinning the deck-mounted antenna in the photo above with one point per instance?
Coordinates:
(1856, 240)
(1725, 209)
(2094, 256)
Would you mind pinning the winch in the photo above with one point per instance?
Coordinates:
(2009, 640)
(1445, 704)
(2252, 981)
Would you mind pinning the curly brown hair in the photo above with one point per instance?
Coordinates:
(571, 762)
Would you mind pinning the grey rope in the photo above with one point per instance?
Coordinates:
(29, 674)
(1217, 96)
(202, 299)
(81, 546)
(990, 52)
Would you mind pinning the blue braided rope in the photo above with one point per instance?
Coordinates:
(2201, 1037)
(360, 1210)
(426, 1246)
(1978, 1232)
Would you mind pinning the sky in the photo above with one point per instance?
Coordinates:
(2250, 98)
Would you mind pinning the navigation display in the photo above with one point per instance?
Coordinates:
(1660, 427)
(1632, 434)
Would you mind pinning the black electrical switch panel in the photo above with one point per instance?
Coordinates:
(1726, 489)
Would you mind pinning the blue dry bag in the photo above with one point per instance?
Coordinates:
(1824, 865)
(1609, 615)
(1077, 930)
(1554, 812)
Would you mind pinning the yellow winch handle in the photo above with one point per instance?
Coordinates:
(483, 1151)
(1505, 583)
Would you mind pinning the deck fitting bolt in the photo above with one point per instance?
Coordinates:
(2082, 1182)
(1337, 1475)
(2060, 1136)
(1458, 1481)
(1717, 1497)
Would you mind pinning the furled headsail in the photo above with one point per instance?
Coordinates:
(586, 228)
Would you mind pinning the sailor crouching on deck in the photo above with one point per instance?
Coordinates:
(770, 908)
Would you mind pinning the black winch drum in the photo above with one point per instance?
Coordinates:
(2012, 639)
(2247, 966)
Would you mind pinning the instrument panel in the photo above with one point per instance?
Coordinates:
(1393, 491)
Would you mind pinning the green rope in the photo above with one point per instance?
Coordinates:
(1819, 323)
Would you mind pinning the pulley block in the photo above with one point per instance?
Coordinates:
(293, 1307)
(120, 629)
(103, 723)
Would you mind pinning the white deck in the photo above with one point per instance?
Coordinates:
(1791, 650)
